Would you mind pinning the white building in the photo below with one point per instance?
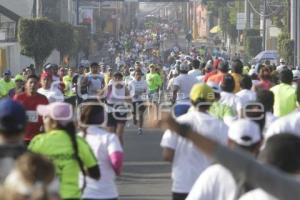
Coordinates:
(10, 56)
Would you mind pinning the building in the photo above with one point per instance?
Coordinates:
(10, 51)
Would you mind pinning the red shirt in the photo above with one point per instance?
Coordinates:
(30, 103)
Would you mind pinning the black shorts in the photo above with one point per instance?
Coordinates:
(116, 118)
(138, 106)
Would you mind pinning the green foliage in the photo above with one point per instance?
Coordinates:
(227, 16)
(81, 40)
(252, 42)
(64, 38)
(286, 47)
(252, 32)
(253, 45)
(37, 39)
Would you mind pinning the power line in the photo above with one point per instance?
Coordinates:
(259, 13)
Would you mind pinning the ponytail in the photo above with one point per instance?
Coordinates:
(71, 131)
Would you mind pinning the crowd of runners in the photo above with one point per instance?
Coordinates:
(61, 130)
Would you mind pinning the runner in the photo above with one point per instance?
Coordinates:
(6, 84)
(196, 72)
(70, 96)
(19, 82)
(109, 153)
(154, 83)
(236, 73)
(69, 153)
(217, 182)
(187, 162)
(284, 94)
(228, 97)
(139, 91)
(30, 99)
(94, 82)
(48, 90)
(223, 68)
(182, 86)
(12, 125)
(33, 177)
(246, 95)
(118, 101)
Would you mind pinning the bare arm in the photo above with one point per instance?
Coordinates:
(273, 181)
(168, 154)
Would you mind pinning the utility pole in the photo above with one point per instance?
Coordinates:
(293, 21)
(37, 7)
(247, 14)
(265, 26)
(77, 12)
(298, 33)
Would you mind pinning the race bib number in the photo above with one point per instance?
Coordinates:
(122, 109)
(32, 116)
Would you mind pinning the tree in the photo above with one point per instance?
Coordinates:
(81, 41)
(37, 39)
(64, 39)
(286, 47)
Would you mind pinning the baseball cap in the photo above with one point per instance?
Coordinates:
(201, 91)
(214, 86)
(281, 60)
(12, 116)
(19, 77)
(244, 132)
(58, 111)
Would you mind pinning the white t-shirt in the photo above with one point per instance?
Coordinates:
(95, 83)
(188, 162)
(215, 183)
(270, 118)
(231, 100)
(103, 144)
(257, 194)
(138, 90)
(53, 95)
(185, 83)
(246, 96)
(195, 72)
(287, 124)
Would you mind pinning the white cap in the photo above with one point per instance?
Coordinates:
(296, 75)
(244, 132)
(214, 86)
(281, 60)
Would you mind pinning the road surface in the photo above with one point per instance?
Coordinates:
(145, 175)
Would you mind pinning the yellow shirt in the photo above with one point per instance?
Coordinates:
(57, 146)
(237, 79)
(5, 87)
(285, 100)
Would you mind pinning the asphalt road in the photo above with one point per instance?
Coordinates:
(145, 175)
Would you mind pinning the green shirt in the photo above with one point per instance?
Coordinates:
(6, 87)
(153, 81)
(285, 100)
(220, 111)
(68, 86)
(57, 146)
